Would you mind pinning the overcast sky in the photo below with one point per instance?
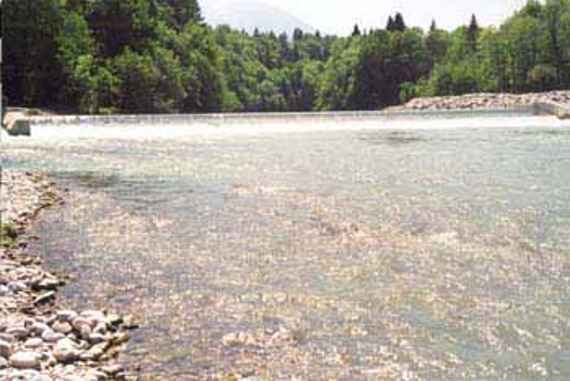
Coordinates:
(339, 16)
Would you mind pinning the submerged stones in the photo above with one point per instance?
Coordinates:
(38, 341)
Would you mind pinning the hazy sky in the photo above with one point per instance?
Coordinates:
(339, 16)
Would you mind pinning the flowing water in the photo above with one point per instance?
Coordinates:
(433, 248)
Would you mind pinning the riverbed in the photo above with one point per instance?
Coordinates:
(427, 248)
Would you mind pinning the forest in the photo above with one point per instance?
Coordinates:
(159, 56)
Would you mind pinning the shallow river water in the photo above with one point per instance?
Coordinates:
(422, 249)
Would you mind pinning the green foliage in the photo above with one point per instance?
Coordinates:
(472, 34)
(338, 79)
(158, 56)
(90, 85)
(31, 73)
(436, 44)
(181, 12)
(408, 91)
(202, 64)
(8, 235)
(387, 60)
(530, 52)
(396, 24)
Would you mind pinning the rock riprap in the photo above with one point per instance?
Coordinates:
(38, 340)
(484, 101)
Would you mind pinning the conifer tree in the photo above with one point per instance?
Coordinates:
(297, 35)
(356, 31)
(399, 24)
(390, 24)
(184, 11)
(473, 34)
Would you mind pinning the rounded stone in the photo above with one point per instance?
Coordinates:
(4, 290)
(17, 286)
(18, 332)
(112, 369)
(65, 351)
(96, 338)
(39, 328)
(7, 337)
(5, 349)
(49, 336)
(25, 360)
(33, 343)
(94, 317)
(100, 328)
(62, 327)
(80, 322)
(67, 315)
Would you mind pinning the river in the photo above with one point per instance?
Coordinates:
(428, 248)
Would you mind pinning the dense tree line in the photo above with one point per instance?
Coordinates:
(529, 52)
(158, 56)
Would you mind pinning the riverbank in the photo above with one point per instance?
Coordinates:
(484, 101)
(39, 338)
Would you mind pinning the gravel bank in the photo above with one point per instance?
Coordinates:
(483, 101)
(39, 340)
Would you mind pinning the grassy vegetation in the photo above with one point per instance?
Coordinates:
(8, 235)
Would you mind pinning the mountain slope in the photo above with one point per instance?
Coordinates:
(248, 15)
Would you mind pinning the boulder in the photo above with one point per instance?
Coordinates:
(16, 123)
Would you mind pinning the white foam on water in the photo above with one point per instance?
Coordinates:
(178, 129)
(3, 135)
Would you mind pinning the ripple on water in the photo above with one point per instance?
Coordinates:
(342, 254)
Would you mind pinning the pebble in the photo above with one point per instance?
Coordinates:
(94, 317)
(39, 328)
(4, 290)
(101, 328)
(43, 298)
(49, 336)
(96, 338)
(7, 337)
(120, 338)
(33, 375)
(5, 349)
(17, 286)
(67, 315)
(112, 369)
(96, 376)
(65, 351)
(43, 345)
(49, 284)
(80, 322)
(33, 343)
(85, 332)
(114, 319)
(95, 352)
(18, 332)
(25, 360)
(62, 327)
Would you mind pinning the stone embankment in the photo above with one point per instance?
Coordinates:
(486, 101)
(39, 340)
